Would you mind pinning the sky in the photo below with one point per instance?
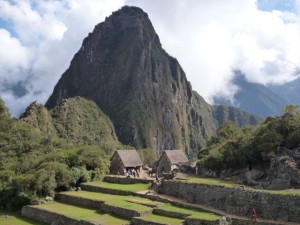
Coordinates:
(210, 39)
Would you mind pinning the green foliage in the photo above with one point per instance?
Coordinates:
(291, 108)
(234, 148)
(35, 162)
(148, 156)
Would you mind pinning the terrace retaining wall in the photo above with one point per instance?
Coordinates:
(87, 187)
(122, 212)
(78, 200)
(237, 201)
(48, 217)
(140, 221)
(170, 214)
(126, 180)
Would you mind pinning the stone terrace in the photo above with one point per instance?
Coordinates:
(102, 203)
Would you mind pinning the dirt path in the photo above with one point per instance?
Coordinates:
(220, 212)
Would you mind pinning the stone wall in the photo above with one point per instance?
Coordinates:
(48, 217)
(104, 190)
(194, 221)
(141, 221)
(78, 200)
(170, 214)
(237, 201)
(248, 222)
(122, 212)
(125, 180)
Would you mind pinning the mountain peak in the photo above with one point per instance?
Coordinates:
(123, 68)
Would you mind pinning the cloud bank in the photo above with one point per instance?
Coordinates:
(210, 39)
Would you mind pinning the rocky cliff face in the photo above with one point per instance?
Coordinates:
(122, 67)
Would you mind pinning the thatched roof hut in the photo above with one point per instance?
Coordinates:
(125, 159)
(169, 160)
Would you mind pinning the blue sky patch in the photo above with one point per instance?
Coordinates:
(281, 5)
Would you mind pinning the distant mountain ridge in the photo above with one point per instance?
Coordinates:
(123, 68)
(255, 98)
(289, 91)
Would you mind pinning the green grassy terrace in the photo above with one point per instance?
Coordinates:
(82, 213)
(15, 219)
(219, 182)
(123, 187)
(141, 204)
(162, 219)
(128, 202)
(192, 212)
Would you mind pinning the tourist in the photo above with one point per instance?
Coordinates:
(254, 215)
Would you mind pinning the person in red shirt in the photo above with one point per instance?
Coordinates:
(254, 215)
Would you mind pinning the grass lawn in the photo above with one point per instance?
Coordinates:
(122, 187)
(215, 181)
(15, 219)
(162, 219)
(209, 181)
(128, 202)
(82, 213)
(192, 212)
(281, 192)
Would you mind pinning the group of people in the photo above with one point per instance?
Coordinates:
(131, 172)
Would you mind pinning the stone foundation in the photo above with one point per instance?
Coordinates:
(237, 201)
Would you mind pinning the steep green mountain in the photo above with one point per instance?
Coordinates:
(77, 120)
(123, 68)
(254, 98)
(40, 118)
(82, 122)
(224, 113)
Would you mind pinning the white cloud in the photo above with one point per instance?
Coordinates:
(14, 58)
(210, 39)
(47, 34)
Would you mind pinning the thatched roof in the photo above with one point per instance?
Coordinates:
(130, 158)
(176, 156)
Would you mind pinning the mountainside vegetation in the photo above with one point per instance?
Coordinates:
(46, 151)
(274, 140)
